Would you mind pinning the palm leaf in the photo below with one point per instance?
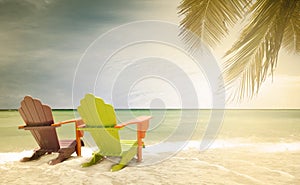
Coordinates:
(254, 55)
(291, 38)
(209, 20)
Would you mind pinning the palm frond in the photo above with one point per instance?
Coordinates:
(209, 20)
(291, 37)
(254, 55)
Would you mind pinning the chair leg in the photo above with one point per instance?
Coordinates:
(78, 147)
(64, 153)
(36, 155)
(97, 157)
(125, 159)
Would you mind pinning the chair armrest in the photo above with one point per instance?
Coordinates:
(26, 127)
(81, 126)
(64, 122)
(142, 123)
(21, 126)
(58, 124)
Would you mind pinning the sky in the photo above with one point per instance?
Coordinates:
(53, 50)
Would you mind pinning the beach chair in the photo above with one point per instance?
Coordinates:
(100, 121)
(39, 121)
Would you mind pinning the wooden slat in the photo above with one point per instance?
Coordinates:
(46, 137)
(48, 114)
(100, 111)
(83, 112)
(39, 110)
(87, 110)
(23, 115)
(26, 111)
(67, 143)
(111, 115)
(31, 108)
(91, 111)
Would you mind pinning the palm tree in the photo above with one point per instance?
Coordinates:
(271, 25)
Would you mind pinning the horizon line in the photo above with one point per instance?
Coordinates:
(69, 109)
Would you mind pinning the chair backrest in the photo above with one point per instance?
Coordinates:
(34, 113)
(101, 116)
(38, 118)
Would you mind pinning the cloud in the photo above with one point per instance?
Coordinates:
(42, 41)
(46, 75)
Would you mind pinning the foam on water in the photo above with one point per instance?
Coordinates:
(13, 156)
(280, 147)
(174, 147)
(259, 147)
(17, 156)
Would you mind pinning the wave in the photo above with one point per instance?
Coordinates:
(17, 156)
(269, 147)
(171, 148)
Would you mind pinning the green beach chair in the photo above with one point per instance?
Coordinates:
(100, 121)
(39, 121)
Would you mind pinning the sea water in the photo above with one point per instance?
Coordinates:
(238, 127)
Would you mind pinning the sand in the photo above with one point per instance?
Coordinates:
(229, 165)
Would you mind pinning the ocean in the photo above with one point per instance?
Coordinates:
(246, 147)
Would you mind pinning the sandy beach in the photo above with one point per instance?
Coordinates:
(241, 164)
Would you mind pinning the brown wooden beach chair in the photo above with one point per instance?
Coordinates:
(39, 120)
